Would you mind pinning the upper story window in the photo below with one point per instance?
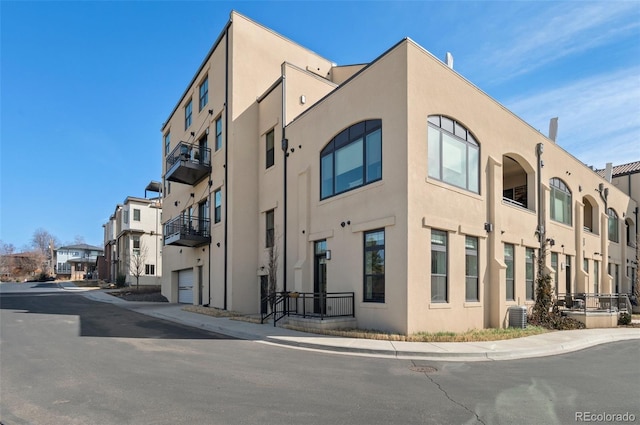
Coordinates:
(167, 143)
(454, 154)
(217, 202)
(125, 216)
(614, 236)
(352, 159)
(136, 214)
(218, 144)
(204, 93)
(188, 110)
(270, 151)
(560, 201)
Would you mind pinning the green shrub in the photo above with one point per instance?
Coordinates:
(121, 281)
(624, 319)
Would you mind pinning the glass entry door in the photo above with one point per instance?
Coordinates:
(320, 277)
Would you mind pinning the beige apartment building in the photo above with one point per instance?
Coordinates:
(133, 240)
(397, 181)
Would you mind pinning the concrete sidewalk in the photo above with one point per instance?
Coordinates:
(548, 344)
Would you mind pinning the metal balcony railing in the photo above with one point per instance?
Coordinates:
(187, 231)
(188, 163)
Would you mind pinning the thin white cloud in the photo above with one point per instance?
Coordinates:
(599, 117)
(559, 31)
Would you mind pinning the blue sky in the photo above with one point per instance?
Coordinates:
(86, 86)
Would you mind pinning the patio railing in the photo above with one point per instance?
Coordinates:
(318, 305)
(594, 302)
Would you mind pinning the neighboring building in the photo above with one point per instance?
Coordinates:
(626, 177)
(398, 181)
(77, 262)
(133, 240)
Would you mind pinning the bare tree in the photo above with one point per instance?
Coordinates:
(137, 262)
(272, 273)
(43, 244)
(6, 258)
(78, 240)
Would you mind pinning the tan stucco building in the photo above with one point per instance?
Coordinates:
(398, 181)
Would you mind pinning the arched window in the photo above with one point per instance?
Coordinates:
(614, 236)
(351, 159)
(454, 154)
(560, 201)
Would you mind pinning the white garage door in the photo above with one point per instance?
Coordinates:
(185, 286)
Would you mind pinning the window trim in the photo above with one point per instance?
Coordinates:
(269, 234)
(188, 114)
(510, 281)
(217, 209)
(351, 135)
(270, 155)
(203, 96)
(473, 252)
(530, 281)
(612, 215)
(366, 249)
(218, 131)
(557, 185)
(440, 248)
(461, 134)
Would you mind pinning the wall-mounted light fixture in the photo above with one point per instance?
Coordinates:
(552, 242)
(327, 254)
(488, 227)
(193, 133)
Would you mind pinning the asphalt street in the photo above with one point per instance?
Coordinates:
(68, 360)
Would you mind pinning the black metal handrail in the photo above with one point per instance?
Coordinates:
(189, 152)
(319, 305)
(186, 225)
(594, 302)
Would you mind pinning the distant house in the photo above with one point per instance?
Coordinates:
(75, 262)
(133, 240)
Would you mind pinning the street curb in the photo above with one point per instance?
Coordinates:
(545, 349)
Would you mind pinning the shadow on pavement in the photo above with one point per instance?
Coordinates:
(100, 319)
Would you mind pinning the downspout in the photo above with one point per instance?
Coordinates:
(542, 234)
(285, 146)
(226, 158)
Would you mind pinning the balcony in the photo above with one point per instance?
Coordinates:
(188, 163)
(187, 231)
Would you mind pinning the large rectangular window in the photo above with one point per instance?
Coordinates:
(149, 269)
(529, 256)
(136, 245)
(218, 134)
(270, 149)
(136, 214)
(204, 93)
(510, 282)
(217, 214)
(269, 228)
(471, 269)
(374, 286)
(439, 278)
(188, 110)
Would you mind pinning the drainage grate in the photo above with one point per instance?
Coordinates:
(423, 369)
